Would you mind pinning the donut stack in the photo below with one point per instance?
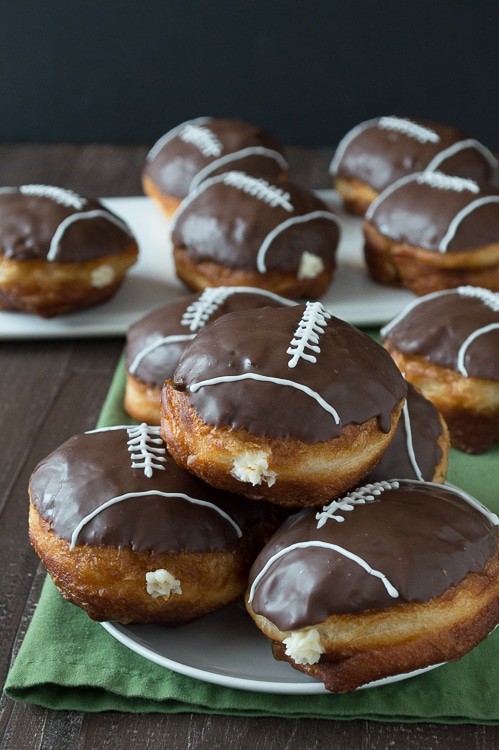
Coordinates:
(277, 453)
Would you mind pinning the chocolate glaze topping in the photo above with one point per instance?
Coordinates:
(91, 469)
(351, 374)
(414, 452)
(229, 219)
(424, 538)
(437, 212)
(153, 345)
(50, 223)
(206, 147)
(384, 149)
(454, 328)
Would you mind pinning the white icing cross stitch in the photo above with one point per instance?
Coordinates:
(441, 181)
(259, 188)
(202, 138)
(306, 336)
(366, 494)
(143, 445)
(64, 197)
(409, 128)
(486, 296)
(199, 311)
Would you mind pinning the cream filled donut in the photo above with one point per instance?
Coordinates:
(420, 447)
(237, 229)
(394, 577)
(378, 152)
(289, 404)
(430, 231)
(156, 342)
(197, 149)
(129, 536)
(59, 251)
(447, 344)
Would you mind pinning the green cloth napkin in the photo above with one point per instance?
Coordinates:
(67, 661)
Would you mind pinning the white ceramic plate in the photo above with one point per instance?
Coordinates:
(224, 648)
(151, 283)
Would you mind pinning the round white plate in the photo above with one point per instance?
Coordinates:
(224, 648)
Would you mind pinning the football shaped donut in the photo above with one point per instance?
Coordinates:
(447, 344)
(240, 230)
(429, 231)
(394, 577)
(127, 535)
(59, 251)
(288, 404)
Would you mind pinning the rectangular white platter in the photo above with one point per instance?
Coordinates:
(151, 283)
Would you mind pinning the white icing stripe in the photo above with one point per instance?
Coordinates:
(173, 339)
(119, 498)
(202, 138)
(409, 128)
(243, 153)
(455, 148)
(492, 517)
(388, 191)
(280, 228)
(469, 340)
(459, 217)
(346, 141)
(112, 427)
(409, 443)
(171, 134)
(385, 331)
(390, 588)
(199, 312)
(268, 379)
(54, 245)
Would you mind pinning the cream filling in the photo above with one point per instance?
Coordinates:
(304, 647)
(162, 583)
(253, 467)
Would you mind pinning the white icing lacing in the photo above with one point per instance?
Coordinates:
(64, 197)
(409, 128)
(390, 588)
(489, 298)
(149, 493)
(366, 494)
(283, 226)
(97, 213)
(311, 326)
(171, 134)
(146, 448)
(199, 312)
(243, 153)
(164, 341)
(259, 188)
(202, 138)
(441, 181)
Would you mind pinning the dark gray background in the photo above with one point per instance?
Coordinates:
(125, 72)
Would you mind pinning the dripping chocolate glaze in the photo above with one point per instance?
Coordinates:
(89, 469)
(353, 373)
(420, 215)
(160, 363)
(423, 538)
(425, 430)
(29, 222)
(437, 325)
(174, 166)
(228, 225)
(379, 156)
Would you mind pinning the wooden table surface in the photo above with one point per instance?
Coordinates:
(52, 389)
